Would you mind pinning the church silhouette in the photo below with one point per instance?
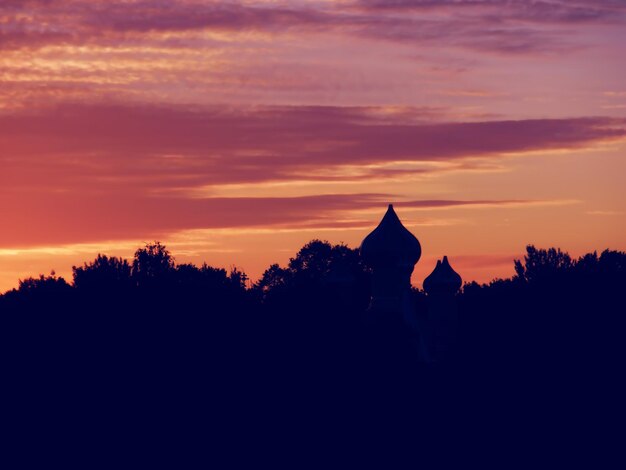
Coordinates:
(392, 251)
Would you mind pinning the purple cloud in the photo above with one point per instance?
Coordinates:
(493, 25)
(164, 148)
(111, 171)
(513, 10)
(61, 218)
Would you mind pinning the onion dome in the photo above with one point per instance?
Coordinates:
(391, 243)
(443, 279)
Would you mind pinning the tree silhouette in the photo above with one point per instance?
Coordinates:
(103, 273)
(541, 265)
(43, 286)
(159, 341)
(274, 278)
(152, 265)
(312, 277)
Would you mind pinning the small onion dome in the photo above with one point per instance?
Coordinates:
(391, 243)
(443, 278)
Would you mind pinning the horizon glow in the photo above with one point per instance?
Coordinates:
(236, 132)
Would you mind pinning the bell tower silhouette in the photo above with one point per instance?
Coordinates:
(392, 252)
(441, 287)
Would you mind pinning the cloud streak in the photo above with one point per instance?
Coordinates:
(546, 11)
(62, 218)
(113, 171)
(493, 25)
(162, 148)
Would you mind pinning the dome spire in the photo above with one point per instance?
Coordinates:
(443, 279)
(390, 243)
(391, 251)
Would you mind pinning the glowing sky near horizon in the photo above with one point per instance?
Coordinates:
(235, 132)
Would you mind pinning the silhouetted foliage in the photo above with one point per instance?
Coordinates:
(152, 265)
(294, 348)
(542, 265)
(103, 274)
(43, 285)
(318, 270)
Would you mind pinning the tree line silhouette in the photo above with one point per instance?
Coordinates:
(157, 344)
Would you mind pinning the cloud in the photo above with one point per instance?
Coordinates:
(78, 173)
(446, 203)
(184, 16)
(98, 148)
(605, 213)
(68, 218)
(489, 25)
(547, 11)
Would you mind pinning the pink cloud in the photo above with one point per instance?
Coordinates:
(490, 25)
(160, 148)
(77, 173)
(521, 10)
(80, 173)
(69, 218)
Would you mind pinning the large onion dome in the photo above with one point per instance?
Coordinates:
(443, 279)
(391, 244)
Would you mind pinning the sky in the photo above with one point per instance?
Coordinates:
(235, 132)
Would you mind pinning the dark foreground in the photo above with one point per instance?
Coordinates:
(203, 372)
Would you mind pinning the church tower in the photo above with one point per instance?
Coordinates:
(441, 287)
(391, 251)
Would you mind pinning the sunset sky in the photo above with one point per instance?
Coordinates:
(235, 132)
